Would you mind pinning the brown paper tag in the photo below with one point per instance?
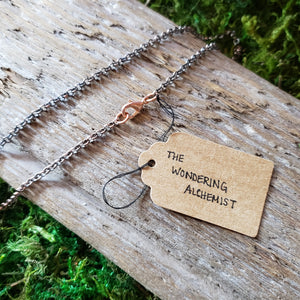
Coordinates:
(208, 181)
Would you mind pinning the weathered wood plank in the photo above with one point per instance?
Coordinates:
(48, 46)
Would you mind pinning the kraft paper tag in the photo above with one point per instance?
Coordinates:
(208, 181)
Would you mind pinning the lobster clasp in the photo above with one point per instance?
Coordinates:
(135, 105)
(132, 108)
(129, 111)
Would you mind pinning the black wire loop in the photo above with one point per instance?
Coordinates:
(118, 177)
(167, 108)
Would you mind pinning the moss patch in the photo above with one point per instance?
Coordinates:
(269, 32)
(41, 259)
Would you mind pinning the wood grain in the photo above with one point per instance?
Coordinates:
(48, 46)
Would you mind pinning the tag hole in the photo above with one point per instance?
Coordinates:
(151, 163)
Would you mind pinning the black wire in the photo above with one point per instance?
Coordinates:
(167, 108)
(120, 176)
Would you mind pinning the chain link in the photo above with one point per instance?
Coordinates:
(183, 68)
(81, 86)
(38, 176)
(75, 91)
(123, 115)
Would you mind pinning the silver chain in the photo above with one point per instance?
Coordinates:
(75, 91)
(183, 68)
(88, 81)
(38, 176)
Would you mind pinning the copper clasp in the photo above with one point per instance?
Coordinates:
(135, 105)
(126, 111)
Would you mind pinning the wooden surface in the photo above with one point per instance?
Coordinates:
(47, 46)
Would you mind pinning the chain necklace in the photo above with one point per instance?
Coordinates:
(122, 117)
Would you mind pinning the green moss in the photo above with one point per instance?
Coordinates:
(41, 259)
(269, 32)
